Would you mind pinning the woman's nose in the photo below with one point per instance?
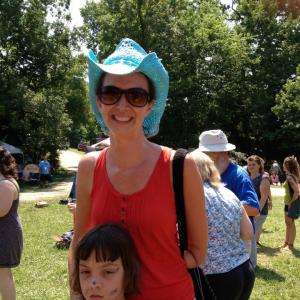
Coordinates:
(123, 101)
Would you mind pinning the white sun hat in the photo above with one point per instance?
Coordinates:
(214, 141)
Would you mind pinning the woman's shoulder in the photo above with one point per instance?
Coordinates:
(88, 161)
(9, 185)
(292, 178)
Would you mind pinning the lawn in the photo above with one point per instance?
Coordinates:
(43, 270)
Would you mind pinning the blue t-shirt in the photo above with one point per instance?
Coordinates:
(44, 166)
(239, 182)
(226, 250)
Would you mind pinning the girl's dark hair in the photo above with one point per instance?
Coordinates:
(150, 86)
(110, 242)
(8, 166)
(292, 166)
(258, 160)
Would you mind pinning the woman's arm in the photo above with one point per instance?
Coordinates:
(246, 228)
(7, 196)
(196, 220)
(264, 192)
(84, 182)
(295, 188)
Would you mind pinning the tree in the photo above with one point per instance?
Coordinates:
(206, 60)
(274, 41)
(40, 82)
(287, 110)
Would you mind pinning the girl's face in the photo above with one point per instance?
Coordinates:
(101, 280)
(253, 166)
(122, 117)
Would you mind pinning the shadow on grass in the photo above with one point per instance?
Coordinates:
(268, 251)
(268, 274)
(296, 253)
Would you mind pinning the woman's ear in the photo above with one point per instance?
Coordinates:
(149, 107)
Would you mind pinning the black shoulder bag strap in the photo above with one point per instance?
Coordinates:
(199, 279)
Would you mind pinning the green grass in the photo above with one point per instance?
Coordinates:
(42, 273)
(277, 274)
(43, 270)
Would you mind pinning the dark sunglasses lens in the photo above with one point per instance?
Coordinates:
(137, 97)
(110, 95)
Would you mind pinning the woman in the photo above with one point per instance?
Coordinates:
(11, 241)
(291, 169)
(227, 266)
(261, 183)
(130, 181)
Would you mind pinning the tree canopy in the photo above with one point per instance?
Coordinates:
(233, 68)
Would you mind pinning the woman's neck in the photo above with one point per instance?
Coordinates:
(254, 174)
(128, 153)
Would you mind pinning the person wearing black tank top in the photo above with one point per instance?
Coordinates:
(291, 169)
(11, 239)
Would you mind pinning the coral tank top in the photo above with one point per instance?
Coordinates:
(150, 217)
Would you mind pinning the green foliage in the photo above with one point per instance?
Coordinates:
(46, 122)
(287, 110)
(43, 94)
(206, 60)
(274, 40)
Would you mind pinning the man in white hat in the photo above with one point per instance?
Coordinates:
(215, 144)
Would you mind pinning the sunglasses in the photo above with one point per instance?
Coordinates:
(137, 97)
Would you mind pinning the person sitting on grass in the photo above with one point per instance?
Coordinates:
(106, 264)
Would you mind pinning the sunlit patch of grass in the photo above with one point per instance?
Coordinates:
(42, 273)
(277, 274)
(43, 270)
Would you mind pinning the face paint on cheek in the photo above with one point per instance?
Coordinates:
(113, 291)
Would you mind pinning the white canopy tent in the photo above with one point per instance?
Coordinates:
(12, 149)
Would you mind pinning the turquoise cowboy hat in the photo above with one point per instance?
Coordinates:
(129, 57)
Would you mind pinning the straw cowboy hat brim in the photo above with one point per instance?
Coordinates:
(129, 57)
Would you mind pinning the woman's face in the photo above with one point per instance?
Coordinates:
(101, 280)
(253, 167)
(123, 118)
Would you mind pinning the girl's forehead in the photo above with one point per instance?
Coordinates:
(91, 260)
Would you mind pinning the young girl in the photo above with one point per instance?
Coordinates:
(106, 264)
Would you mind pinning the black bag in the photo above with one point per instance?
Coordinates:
(199, 279)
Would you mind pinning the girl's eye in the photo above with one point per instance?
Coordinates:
(84, 272)
(110, 271)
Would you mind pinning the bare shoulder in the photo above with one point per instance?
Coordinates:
(8, 189)
(9, 185)
(88, 160)
(290, 178)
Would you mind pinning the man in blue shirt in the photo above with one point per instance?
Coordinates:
(215, 144)
(44, 167)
